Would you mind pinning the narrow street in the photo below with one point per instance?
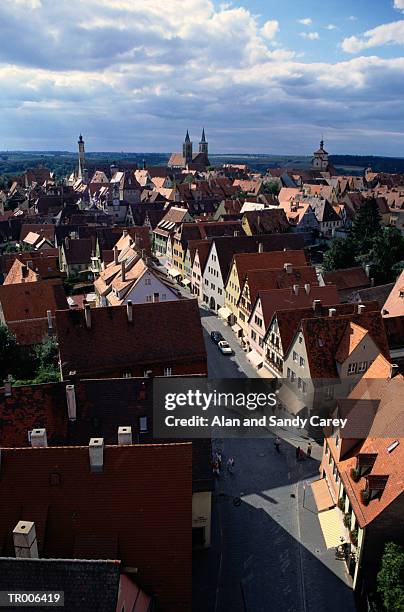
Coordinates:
(267, 550)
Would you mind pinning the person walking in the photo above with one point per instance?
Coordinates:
(219, 460)
(230, 464)
(277, 444)
(297, 453)
(309, 447)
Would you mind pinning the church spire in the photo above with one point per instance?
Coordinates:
(187, 149)
(82, 158)
(203, 145)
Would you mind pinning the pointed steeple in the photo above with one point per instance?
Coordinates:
(203, 139)
(203, 145)
(187, 149)
(187, 138)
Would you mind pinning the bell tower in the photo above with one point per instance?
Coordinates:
(82, 157)
(187, 149)
(203, 145)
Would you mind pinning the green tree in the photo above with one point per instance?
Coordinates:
(341, 254)
(9, 353)
(46, 355)
(390, 579)
(366, 226)
(386, 255)
(271, 187)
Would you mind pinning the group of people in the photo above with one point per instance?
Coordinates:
(299, 451)
(217, 463)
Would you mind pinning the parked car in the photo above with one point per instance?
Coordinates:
(216, 337)
(225, 347)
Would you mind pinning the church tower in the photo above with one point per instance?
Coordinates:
(82, 158)
(187, 149)
(320, 160)
(203, 145)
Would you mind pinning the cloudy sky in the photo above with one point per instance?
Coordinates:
(262, 76)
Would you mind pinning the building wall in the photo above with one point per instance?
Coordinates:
(363, 355)
(256, 330)
(197, 279)
(232, 291)
(143, 292)
(213, 286)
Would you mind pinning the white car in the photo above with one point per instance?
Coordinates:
(225, 348)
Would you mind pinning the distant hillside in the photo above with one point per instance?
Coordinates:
(63, 162)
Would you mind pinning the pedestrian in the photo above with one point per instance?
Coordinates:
(219, 460)
(297, 453)
(215, 468)
(309, 447)
(230, 464)
(277, 444)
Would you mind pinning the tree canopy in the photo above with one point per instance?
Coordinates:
(390, 579)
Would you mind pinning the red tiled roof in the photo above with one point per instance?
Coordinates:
(138, 509)
(394, 305)
(160, 333)
(350, 278)
(246, 262)
(278, 278)
(45, 230)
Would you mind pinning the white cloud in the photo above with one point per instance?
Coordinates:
(306, 21)
(388, 33)
(310, 35)
(270, 29)
(399, 4)
(352, 18)
(330, 26)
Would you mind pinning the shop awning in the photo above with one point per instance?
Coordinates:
(237, 329)
(332, 527)
(173, 272)
(255, 358)
(224, 312)
(322, 495)
(185, 282)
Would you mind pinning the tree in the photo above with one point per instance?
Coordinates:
(271, 187)
(390, 579)
(341, 254)
(366, 226)
(385, 254)
(9, 353)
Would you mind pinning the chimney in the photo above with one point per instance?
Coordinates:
(116, 255)
(235, 233)
(7, 388)
(394, 369)
(71, 402)
(30, 264)
(38, 438)
(129, 311)
(367, 270)
(123, 274)
(25, 542)
(317, 306)
(50, 322)
(96, 454)
(66, 243)
(332, 312)
(87, 315)
(296, 289)
(288, 267)
(24, 271)
(307, 288)
(361, 308)
(372, 282)
(260, 247)
(125, 435)
(124, 233)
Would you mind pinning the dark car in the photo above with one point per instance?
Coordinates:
(216, 336)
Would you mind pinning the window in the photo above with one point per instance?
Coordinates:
(148, 298)
(163, 296)
(143, 424)
(289, 373)
(302, 362)
(292, 376)
(147, 373)
(300, 339)
(294, 356)
(329, 392)
(304, 387)
(168, 371)
(363, 366)
(253, 336)
(352, 368)
(127, 375)
(147, 281)
(299, 383)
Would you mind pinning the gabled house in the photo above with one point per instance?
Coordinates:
(167, 226)
(266, 221)
(361, 490)
(75, 257)
(393, 319)
(347, 281)
(263, 258)
(132, 340)
(266, 304)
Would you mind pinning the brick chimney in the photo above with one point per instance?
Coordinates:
(39, 438)
(296, 289)
(50, 322)
(66, 243)
(124, 435)
(307, 288)
(332, 312)
(71, 402)
(87, 315)
(96, 454)
(394, 369)
(116, 255)
(260, 247)
(317, 306)
(361, 308)
(288, 267)
(25, 542)
(124, 233)
(129, 311)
